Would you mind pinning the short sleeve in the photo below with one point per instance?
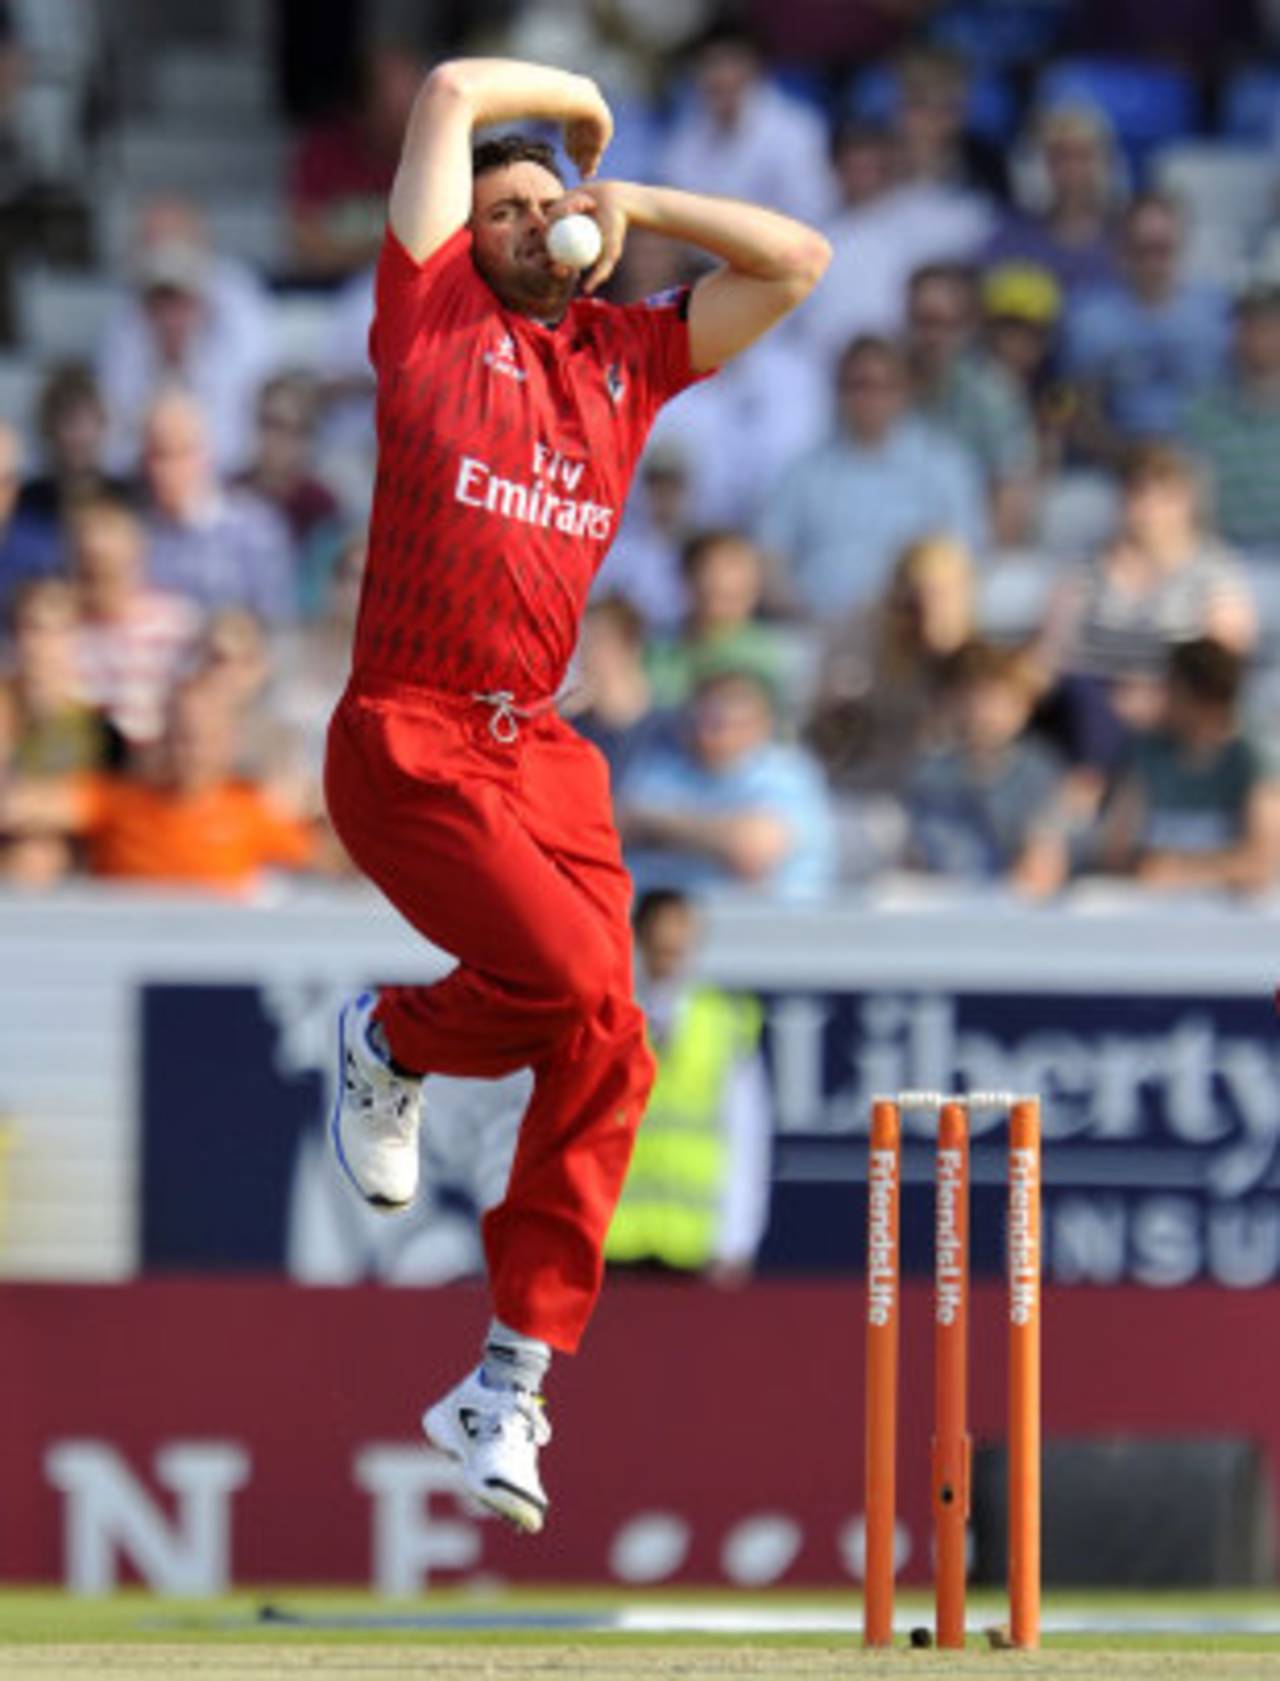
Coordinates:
(411, 297)
(1090, 332)
(660, 327)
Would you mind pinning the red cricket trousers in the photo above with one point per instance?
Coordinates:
(504, 854)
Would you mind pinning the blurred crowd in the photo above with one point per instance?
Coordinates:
(970, 572)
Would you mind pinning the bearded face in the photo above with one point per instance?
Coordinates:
(509, 229)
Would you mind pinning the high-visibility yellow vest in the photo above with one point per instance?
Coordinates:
(670, 1203)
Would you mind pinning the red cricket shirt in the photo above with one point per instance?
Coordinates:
(505, 452)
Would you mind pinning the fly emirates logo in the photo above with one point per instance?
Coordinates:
(547, 499)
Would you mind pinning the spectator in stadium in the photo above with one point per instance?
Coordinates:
(1164, 579)
(1235, 426)
(1069, 183)
(960, 388)
(739, 431)
(986, 804)
(1198, 806)
(884, 669)
(1021, 310)
(72, 422)
(696, 1197)
(728, 804)
(840, 515)
(345, 164)
(1138, 351)
(28, 547)
(724, 580)
(181, 816)
(879, 235)
(738, 135)
(195, 319)
(236, 658)
(217, 547)
(934, 152)
(282, 471)
(46, 728)
(626, 45)
(773, 401)
(864, 286)
(132, 639)
(618, 712)
(644, 563)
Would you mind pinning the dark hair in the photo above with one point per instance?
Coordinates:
(1153, 461)
(1153, 199)
(703, 542)
(68, 386)
(651, 904)
(1207, 671)
(507, 149)
(978, 662)
(623, 615)
(301, 387)
(871, 344)
(35, 589)
(726, 28)
(932, 60)
(744, 677)
(851, 132)
(952, 274)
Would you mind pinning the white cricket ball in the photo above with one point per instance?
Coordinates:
(575, 241)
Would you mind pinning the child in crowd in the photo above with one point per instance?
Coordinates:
(985, 806)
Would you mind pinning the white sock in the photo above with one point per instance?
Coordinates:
(513, 1361)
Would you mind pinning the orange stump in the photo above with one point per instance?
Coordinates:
(951, 1446)
(1024, 1374)
(884, 1179)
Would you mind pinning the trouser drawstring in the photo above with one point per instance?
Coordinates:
(504, 719)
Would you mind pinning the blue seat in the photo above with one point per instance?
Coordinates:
(874, 94)
(805, 83)
(999, 36)
(1147, 104)
(1250, 104)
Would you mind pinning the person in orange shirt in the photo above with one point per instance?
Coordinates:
(184, 817)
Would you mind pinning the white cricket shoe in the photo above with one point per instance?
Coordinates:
(495, 1434)
(376, 1115)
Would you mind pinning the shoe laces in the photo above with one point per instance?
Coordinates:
(388, 1102)
(517, 1413)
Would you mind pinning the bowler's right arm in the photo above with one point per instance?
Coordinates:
(431, 194)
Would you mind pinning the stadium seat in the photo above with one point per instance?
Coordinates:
(997, 35)
(1148, 105)
(161, 158)
(302, 329)
(874, 93)
(61, 314)
(19, 388)
(1251, 104)
(805, 83)
(254, 229)
(1227, 191)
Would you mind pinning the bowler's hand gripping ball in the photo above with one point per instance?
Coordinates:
(575, 241)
